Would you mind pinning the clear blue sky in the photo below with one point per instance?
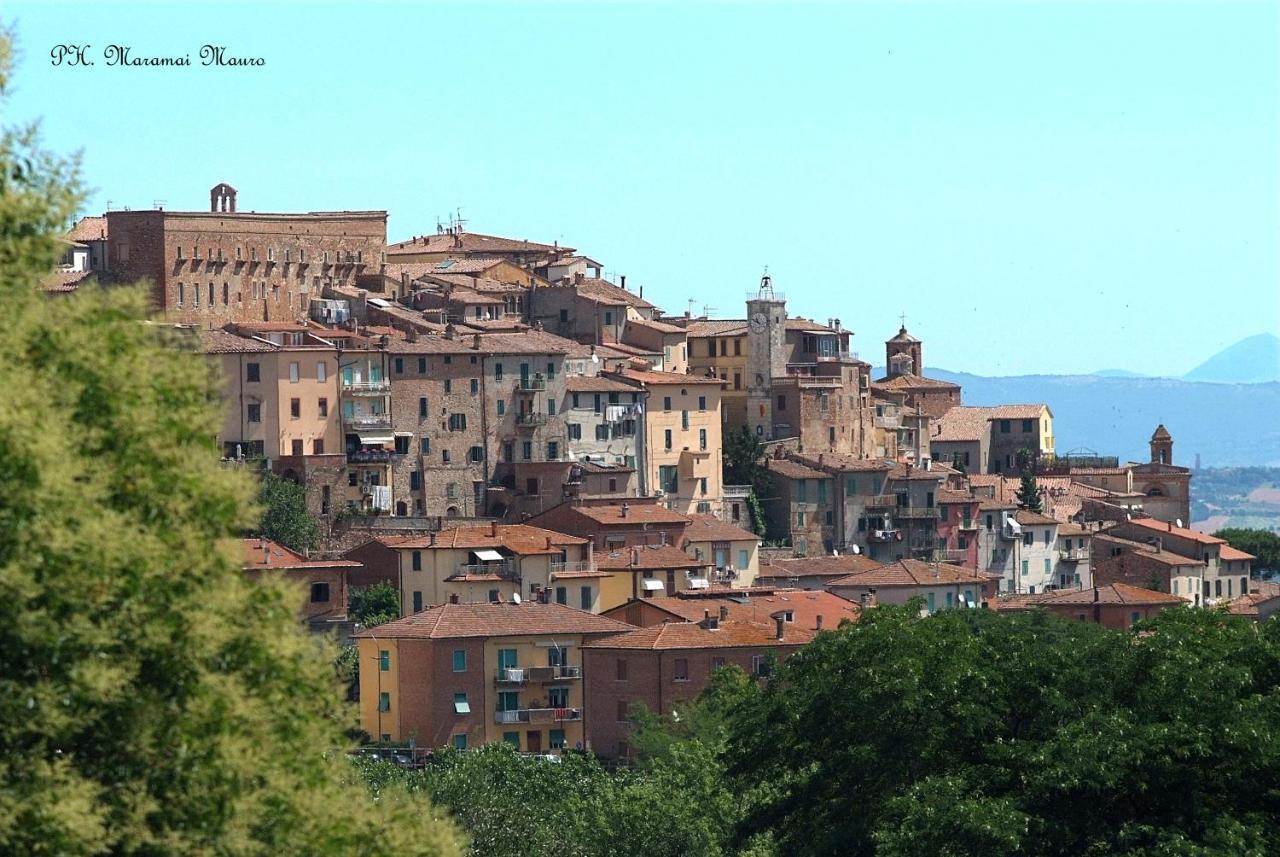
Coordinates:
(1039, 187)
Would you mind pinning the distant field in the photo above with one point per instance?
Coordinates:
(1247, 497)
(1268, 494)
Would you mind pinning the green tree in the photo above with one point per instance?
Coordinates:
(744, 464)
(374, 605)
(1263, 544)
(972, 732)
(152, 700)
(285, 518)
(1028, 495)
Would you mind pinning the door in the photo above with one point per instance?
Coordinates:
(533, 742)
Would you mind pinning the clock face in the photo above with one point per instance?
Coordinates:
(759, 322)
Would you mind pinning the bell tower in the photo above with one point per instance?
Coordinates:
(766, 354)
(904, 354)
(1161, 446)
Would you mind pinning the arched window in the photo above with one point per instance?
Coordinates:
(1155, 492)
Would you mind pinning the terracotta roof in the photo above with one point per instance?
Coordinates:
(962, 423)
(67, 281)
(597, 384)
(1250, 603)
(1227, 552)
(706, 528)
(636, 513)
(996, 505)
(807, 324)
(1150, 552)
(430, 344)
(88, 229)
(647, 558)
(1071, 530)
(756, 605)
(660, 326)
(691, 635)
(910, 473)
(1161, 433)
(912, 572)
(794, 470)
(606, 292)
(652, 378)
(844, 462)
(1157, 527)
(224, 342)
(716, 327)
(264, 553)
(1019, 412)
(950, 495)
(495, 619)
(596, 467)
(471, 242)
(1114, 593)
(908, 381)
(525, 342)
(520, 539)
(1028, 518)
(903, 336)
(816, 566)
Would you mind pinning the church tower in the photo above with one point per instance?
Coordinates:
(1161, 446)
(903, 355)
(766, 355)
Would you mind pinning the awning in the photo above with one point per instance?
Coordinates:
(651, 585)
(375, 439)
(699, 583)
(488, 556)
(460, 707)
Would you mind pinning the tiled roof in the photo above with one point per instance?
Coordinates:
(962, 423)
(808, 325)
(1250, 603)
(606, 292)
(647, 558)
(1019, 412)
(1161, 433)
(908, 472)
(88, 229)
(660, 326)
(903, 336)
(1230, 554)
(996, 505)
(635, 513)
(668, 378)
(495, 619)
(1158, 527)
(716, 327)
(525, 342)
(471, 242)
(844, 462)
(430, 344)
(264, 553)
(1114, 593)
(912, 572)
(1149, 552)
(816, 566)
(758, 605)
(794, 470)
(520, 539)
(691, 635)
(1071, 530)
(595, 467)
(908, 381)
(950, 495)
(706, 528)
(67, 281)
(1028, 518)
(597, 384)
(225, 342)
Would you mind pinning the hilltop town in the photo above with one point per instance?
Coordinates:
(585, 503)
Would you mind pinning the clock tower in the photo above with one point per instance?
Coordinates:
(766, 355)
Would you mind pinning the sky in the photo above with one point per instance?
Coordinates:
(1038, 187)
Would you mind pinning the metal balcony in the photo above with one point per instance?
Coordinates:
(367, 421)
(1074, 555)
(535, 384)
(531, 420)
(366, 388)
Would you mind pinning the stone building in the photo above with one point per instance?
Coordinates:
(602, 420)
(1166, 488)
(588, 310)
(226, 265)
(1015, 428)
(904, 368)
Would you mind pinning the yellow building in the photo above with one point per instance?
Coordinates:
(495, 561)
(719, 347)
(681, 440)
(463, 675)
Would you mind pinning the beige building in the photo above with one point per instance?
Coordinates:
(680, 439)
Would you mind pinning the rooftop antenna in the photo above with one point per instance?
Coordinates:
(707, 310)
(158, 204)
(692, 301)
(903, 318)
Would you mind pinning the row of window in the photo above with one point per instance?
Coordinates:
(666, 405)
(667, 437)
(215, 254)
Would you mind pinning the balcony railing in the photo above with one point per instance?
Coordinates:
(535, 384)
(970, 524)
(365, 387)
(531, 419)
(884, 535)
(367, 421)
(915, 512)
(949, 555)
(507, 568)
(561, 567)
(1074, 555)
(538, 715)
(888, 422)
(370, 456)
(524, 675)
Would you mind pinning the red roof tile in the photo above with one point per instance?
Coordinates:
(912, 572)
(495, 619)
(691, 635)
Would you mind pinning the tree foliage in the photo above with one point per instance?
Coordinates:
(1263, 544)
(285, 518)
(152, 700)
(1028, 494)
(374, 605)
(969, 732)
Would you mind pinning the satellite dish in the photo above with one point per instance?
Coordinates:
(856, 550)
(515, 598)
(1177, 522)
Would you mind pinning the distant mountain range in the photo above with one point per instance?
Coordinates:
(1227, 424)
(1252, 360)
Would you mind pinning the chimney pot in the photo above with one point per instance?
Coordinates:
(453, 598)
(818, 623)
(780, 626)
(622, 281)
(493, 529)
(724, 613)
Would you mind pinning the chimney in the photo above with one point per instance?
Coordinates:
(625, 508)
(411, 334)
(864, 601)
(709, 623)
(449, 331)
(548, 541)
(453, 598)
(431, 539)
(622, 281)
(475, 342)
(493, 529)
(817, 626)
(635, 556)
(578, 277)
(591, 554)
(641, 289)
(779, 625)
(871, 597)
(724, 613)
